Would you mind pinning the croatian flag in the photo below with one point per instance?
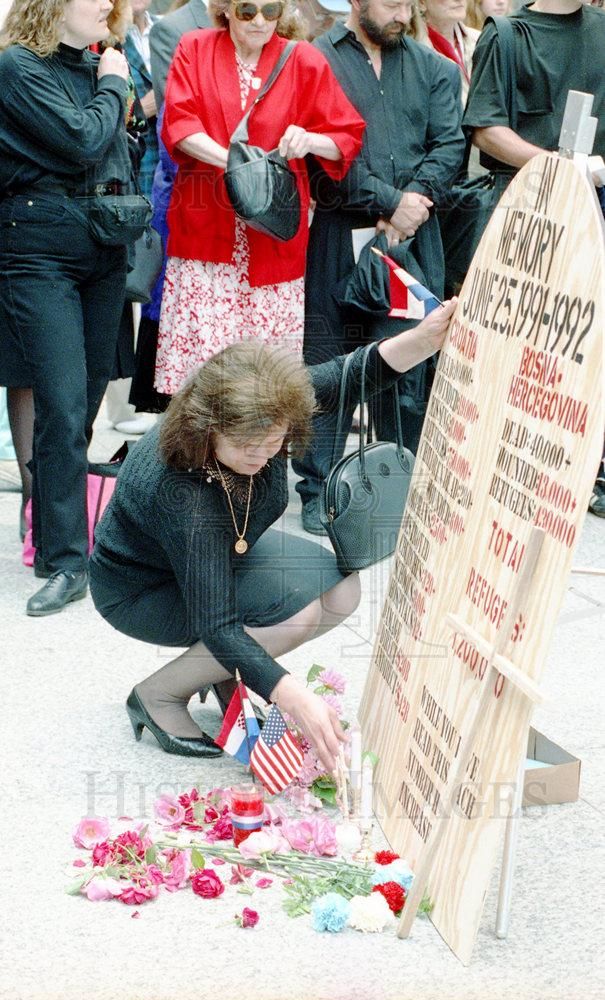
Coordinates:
(409, 299)
(276, 757)
(239, 717)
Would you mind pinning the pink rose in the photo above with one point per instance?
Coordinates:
(129, 846)
(274, 813)
(311, 769)
(207, 884)
(102, 853)
(220, 798)
(89, 831)
(303, 800)
(180, 866)
(102, 888)
(240, 874)
(221, 830)
(311, 836)
(332, 679)
(263, 842)
(247, 918)
(188, 801)
(299, 834)
(154, 874)
(138, 893)
(324, 836)
(169, 812)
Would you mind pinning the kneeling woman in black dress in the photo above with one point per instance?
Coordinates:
(186, 554)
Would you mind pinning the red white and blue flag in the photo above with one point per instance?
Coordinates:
(239, 731)
(409, 299)
(276, 757)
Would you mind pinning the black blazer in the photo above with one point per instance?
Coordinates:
(165, 36)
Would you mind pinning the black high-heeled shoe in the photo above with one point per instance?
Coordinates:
(203, 746)
(223, 692)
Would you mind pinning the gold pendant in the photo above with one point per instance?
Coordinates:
(241, 546)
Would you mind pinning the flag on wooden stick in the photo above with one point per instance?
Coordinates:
(409, 299)
(276, 757)
(240, 730)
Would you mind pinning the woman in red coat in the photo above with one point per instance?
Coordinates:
(224, 281)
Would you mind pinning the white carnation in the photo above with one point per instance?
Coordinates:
(370, 914)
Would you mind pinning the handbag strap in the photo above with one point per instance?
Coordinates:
(342, 396)
(241, 132)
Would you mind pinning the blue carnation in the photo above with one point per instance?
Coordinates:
(330, 913)
(398, 871)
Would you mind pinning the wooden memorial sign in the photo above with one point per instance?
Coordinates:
(511, 443)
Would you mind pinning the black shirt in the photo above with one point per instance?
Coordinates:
(554, 53)
(57, 120)
(413, 140)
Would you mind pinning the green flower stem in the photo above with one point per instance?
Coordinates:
(286, 865)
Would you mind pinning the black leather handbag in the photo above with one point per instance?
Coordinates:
(363, 498)
(260, 184)
(147, 260)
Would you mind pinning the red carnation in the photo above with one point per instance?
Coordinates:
(394, 895)
(385, 857)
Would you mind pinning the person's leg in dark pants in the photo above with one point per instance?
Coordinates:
(330, 330)
(65, 293)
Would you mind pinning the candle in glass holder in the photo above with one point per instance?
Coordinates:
(367, 796)
(355, 765)
(247, 811)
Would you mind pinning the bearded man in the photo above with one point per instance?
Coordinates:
(413, 147)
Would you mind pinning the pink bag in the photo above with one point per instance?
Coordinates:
(99, 489)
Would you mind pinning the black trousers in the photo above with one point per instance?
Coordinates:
(62, 295)
(332, 329)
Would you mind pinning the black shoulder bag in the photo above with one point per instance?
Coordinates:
(260, 184)
(363, 498)
(468, 208)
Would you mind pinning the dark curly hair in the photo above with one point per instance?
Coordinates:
(242, 392)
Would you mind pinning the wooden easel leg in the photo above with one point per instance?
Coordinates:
(421, 877)
(511, 837)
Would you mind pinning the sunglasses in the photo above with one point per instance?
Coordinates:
(248, 11)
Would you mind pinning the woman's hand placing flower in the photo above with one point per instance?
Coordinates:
(318, 721)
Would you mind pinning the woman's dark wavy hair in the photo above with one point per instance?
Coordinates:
(242, 392)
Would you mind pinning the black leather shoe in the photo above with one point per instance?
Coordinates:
(223, 693)
(60, 589)
(40, 568)
(203, 746)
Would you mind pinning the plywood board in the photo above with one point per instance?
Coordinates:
(512, 439)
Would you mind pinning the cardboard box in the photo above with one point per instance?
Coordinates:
(555, 779)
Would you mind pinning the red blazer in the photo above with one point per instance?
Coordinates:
(202, 95)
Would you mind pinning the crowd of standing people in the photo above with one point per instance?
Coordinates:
(378, 109)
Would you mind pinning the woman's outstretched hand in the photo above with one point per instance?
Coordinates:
(411, 347)
(317, 720)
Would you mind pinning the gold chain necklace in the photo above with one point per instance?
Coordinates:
(241, 544)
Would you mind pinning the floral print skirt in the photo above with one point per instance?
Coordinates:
(206, 307)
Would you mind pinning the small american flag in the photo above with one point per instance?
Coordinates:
(276, 757)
